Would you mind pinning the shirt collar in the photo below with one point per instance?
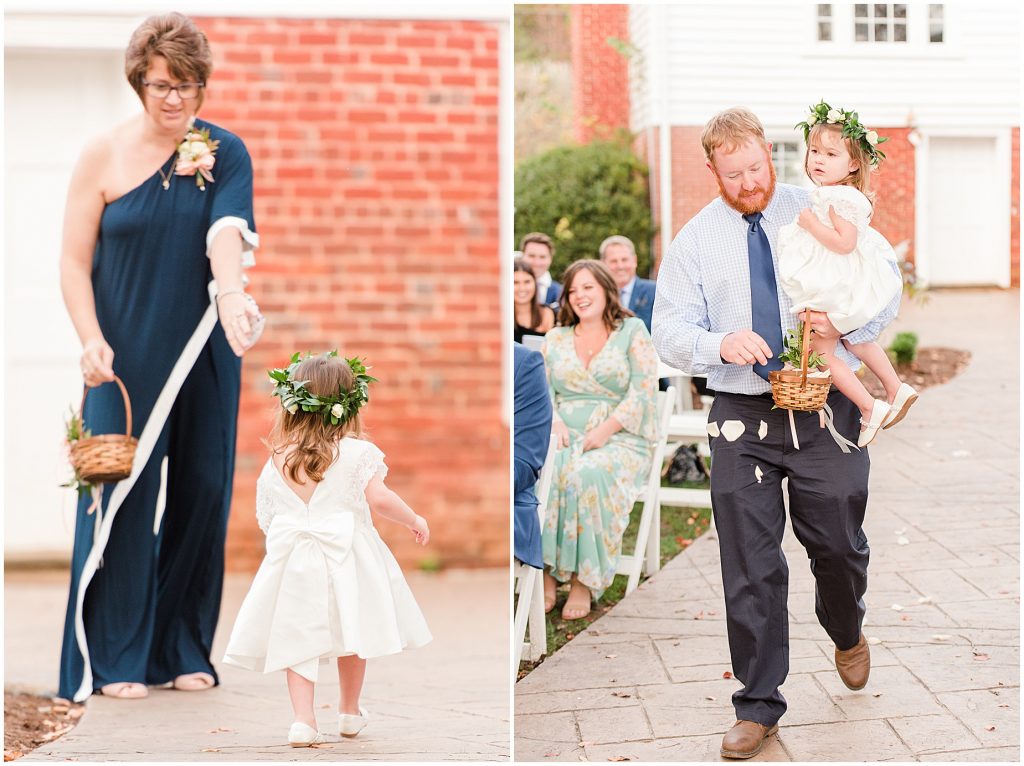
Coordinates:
(767, 214)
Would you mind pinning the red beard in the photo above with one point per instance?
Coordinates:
(749, 202)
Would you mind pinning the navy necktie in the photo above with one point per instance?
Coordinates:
(764, 298)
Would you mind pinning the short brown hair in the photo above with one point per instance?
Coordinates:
(731, 129)
(614, 311)
(312, 439)
(536, 236)
(176, 38)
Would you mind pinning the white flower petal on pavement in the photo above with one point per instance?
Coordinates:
(874, 640)
(733, 429)
(902, 541)
(763, 430)
(897, 608)
(926, 600)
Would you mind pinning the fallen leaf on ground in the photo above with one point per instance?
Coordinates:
(711, 699)
(57, 733)
(981, 656)
(219, 729)
(210, 750)
(1003, 705)
(621, 694)
(877, 694)
(990, 728)
(610, 656)
(727, 674)
(552, 754)
(76, 712)
(621, 757)
(10, 755)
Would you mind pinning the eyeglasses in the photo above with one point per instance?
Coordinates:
(185, 90)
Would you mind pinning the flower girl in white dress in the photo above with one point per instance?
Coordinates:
(831, 260)
(328, 586)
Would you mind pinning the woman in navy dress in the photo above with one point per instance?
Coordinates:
(151, 272)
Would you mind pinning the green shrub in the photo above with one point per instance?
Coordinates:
(904, 348)
(579, 195)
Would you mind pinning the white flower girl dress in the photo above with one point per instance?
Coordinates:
(852, 289)
(328, 586)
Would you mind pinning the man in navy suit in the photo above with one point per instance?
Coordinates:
(636, 294)
(538, 250)
(532, 434)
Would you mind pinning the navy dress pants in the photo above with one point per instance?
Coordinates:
(828, 492)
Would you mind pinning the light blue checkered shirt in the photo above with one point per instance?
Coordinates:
(703, 293)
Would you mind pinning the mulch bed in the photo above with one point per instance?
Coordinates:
(31, 721)
(933, 366)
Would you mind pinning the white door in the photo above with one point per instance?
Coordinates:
(965, 213)
(54, 102)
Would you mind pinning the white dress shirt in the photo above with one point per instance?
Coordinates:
(626, 293)
(543, 283)
(703, 293)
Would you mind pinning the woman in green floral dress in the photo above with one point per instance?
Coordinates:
(602, 372)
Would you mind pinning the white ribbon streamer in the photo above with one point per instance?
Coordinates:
(825, 420)
(147, 441)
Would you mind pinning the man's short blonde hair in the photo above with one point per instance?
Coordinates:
(617, 239)
(730, 129)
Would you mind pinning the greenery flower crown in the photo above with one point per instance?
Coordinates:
(868, 140)
(336, 408)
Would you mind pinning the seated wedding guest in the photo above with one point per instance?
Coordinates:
(538, 250)
(601, 369)
(619, 254)
(532, 434)
(531, 317)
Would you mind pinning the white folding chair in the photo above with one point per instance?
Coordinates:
(648, 536)
(530, 581)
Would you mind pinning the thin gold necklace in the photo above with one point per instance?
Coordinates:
(168, 175)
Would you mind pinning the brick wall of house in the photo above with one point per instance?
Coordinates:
(1015, 210)
(375, 148)
(600, 76)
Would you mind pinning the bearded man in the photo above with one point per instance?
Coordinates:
(719, 311)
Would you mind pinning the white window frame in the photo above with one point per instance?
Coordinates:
(918, 44)
(781, 136)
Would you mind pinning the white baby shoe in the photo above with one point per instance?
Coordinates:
(906, 395)
(879, 410)
(301, 735)
(351, 725)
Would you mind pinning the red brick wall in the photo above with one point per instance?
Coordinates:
(894, 184)
(600, 73)
(1015, 211)
(375, 147)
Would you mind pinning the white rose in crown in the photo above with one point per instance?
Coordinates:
(293, 409)
(337, 410)
(812, 118)
(872, 137)
(834, 115)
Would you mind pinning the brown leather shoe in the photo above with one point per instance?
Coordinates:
(854, 664)
(745, 739)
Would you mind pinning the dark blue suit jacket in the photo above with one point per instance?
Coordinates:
(554, 295)
(641, 302)
(532, 434)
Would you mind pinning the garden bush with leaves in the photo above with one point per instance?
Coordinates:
(903, 349)
(579, 195)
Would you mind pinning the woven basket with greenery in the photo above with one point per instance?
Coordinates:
(793, 389)
(106, 457)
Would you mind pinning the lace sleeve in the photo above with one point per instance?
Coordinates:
(850, 204)
(370, 464)
(264, 506)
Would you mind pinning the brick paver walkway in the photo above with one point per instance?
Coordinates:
(446, 701)
(646, 681)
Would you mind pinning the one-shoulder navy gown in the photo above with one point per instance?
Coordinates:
(146, 579)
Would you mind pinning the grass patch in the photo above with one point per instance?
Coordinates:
(679, 528)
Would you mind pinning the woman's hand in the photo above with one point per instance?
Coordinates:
(238, 316)
(806, 219)
(561, 431)
(97, 362)
(420, 530)
(598, 436)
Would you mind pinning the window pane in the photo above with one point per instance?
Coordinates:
(825, 9)
(899, 32)
(935, 12)
(860, 32)
(881, 10)
(825, 31)
(899, 11)
(881, 33)
(935, 33)
(860, 10)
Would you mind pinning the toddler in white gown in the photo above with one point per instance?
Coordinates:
(831, 260)
(328, 586)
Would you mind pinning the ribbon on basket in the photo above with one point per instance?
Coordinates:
(826, 420)
(97, 508)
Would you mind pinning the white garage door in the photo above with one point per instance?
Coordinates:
(54, 102)
(966, 215)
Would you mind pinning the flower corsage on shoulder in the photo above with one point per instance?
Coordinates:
(822, 113)
(336, 408)
(196, 156)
